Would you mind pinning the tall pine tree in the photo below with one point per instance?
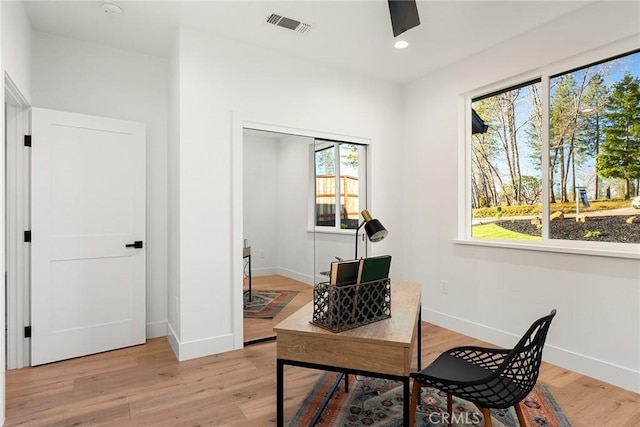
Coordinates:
(595, 99)
(619, 155)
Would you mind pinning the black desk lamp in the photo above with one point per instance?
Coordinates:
(374, 229)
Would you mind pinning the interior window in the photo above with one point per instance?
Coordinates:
(339, 184)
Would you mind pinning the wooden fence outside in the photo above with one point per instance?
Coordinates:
(326, 197)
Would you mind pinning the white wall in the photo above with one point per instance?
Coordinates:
(219, 77)
(86, 78)
(16, 45)
(494, 294)
(261, 165)
(173, 223)
(295, 241)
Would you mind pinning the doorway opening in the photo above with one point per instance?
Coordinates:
(275, 198)
(279, 214)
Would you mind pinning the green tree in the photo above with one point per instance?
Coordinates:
(484, 174)
(594, 102)
(562, 124)
(533, 131)
(326, 161)
(497, 176)
(349, 155)
(619, 155)
(569, 150)
(485, 156)
(531, 189)
(506, 115)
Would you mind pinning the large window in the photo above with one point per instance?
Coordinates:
(585, 156)
(339, 184)
(506, 173)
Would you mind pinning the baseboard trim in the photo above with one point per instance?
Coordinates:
(264, 271)
(198, 348)
(304, 278)
(619, 376)
(157, 329)
(174, 342)
(205, 347)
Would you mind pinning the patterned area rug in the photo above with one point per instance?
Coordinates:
(378, 402)
(266, 304)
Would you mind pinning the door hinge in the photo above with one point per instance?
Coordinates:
(27, 140)
(27, 236)
(27, 331)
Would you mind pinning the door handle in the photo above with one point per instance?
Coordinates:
(137, 244)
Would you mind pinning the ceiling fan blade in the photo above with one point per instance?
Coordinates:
(404, 15)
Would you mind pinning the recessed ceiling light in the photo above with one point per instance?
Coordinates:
(112, 9)
(401, 44)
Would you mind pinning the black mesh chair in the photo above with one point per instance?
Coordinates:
(487, 377)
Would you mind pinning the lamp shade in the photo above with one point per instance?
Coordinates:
(375, 230)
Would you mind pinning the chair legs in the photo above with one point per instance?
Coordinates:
(486, 414)
(415, 395)
(518, 407)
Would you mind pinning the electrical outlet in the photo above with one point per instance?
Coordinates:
(261, 254)
(444, 287)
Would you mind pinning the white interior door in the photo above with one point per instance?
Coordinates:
(88, 204)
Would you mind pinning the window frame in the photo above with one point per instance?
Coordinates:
(363, 161)
(544, 73)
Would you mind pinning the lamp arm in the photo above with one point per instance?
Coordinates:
(357, 230)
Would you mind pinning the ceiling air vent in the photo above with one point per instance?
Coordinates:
(291, 24)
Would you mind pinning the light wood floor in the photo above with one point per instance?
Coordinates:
(146, 386)
(255, 329)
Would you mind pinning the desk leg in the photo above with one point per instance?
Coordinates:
(279, 393)
(419, 339)
(405, 402)
(249, 278)
(246, 273)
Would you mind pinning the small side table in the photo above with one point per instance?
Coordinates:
(246, 269)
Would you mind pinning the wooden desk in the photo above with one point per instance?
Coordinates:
(382, 349)
(246, 269)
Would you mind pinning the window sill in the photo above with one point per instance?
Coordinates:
(632, 253)
(347, 232)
